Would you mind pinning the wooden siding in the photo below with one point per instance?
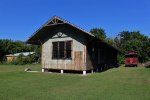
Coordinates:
(78, 53)
(78, 60)
(11, 58)
(89, 64)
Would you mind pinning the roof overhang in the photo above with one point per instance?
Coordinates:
(50, 25)
(54, 22)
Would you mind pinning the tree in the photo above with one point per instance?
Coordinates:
(99, 33)
(134, 41)
(110, 41)
(8, 47)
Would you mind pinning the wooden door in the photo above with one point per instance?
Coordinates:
(78, 60)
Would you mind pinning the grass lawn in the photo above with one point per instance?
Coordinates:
(114, 84)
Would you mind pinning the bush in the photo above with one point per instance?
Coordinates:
(121, 59)
(22, 60)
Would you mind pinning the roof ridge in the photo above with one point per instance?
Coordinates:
(62, 19)
(55, 16)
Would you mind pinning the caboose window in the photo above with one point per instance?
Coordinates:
(62, 50)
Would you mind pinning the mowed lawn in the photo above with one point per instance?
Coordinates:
(114, 84)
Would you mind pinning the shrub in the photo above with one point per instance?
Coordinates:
(121, 59)
(22, 60)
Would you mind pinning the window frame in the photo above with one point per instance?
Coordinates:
(58, 50)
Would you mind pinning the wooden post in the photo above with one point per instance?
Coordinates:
(61, 71)
(84, 72)
(43, 70)
(92, 71)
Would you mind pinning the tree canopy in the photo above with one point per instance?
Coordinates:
(8, 47)
(99, 33)
(134, 41)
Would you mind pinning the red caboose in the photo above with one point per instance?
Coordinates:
(131, 59)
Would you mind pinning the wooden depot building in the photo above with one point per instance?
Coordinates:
(66, 47)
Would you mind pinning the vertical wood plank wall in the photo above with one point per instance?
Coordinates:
(89, 65)
(78, 54)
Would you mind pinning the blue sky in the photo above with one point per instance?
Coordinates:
(20, 18)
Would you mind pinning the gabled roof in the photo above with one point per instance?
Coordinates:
(55, 20)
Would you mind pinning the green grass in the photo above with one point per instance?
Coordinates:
(114, 84)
